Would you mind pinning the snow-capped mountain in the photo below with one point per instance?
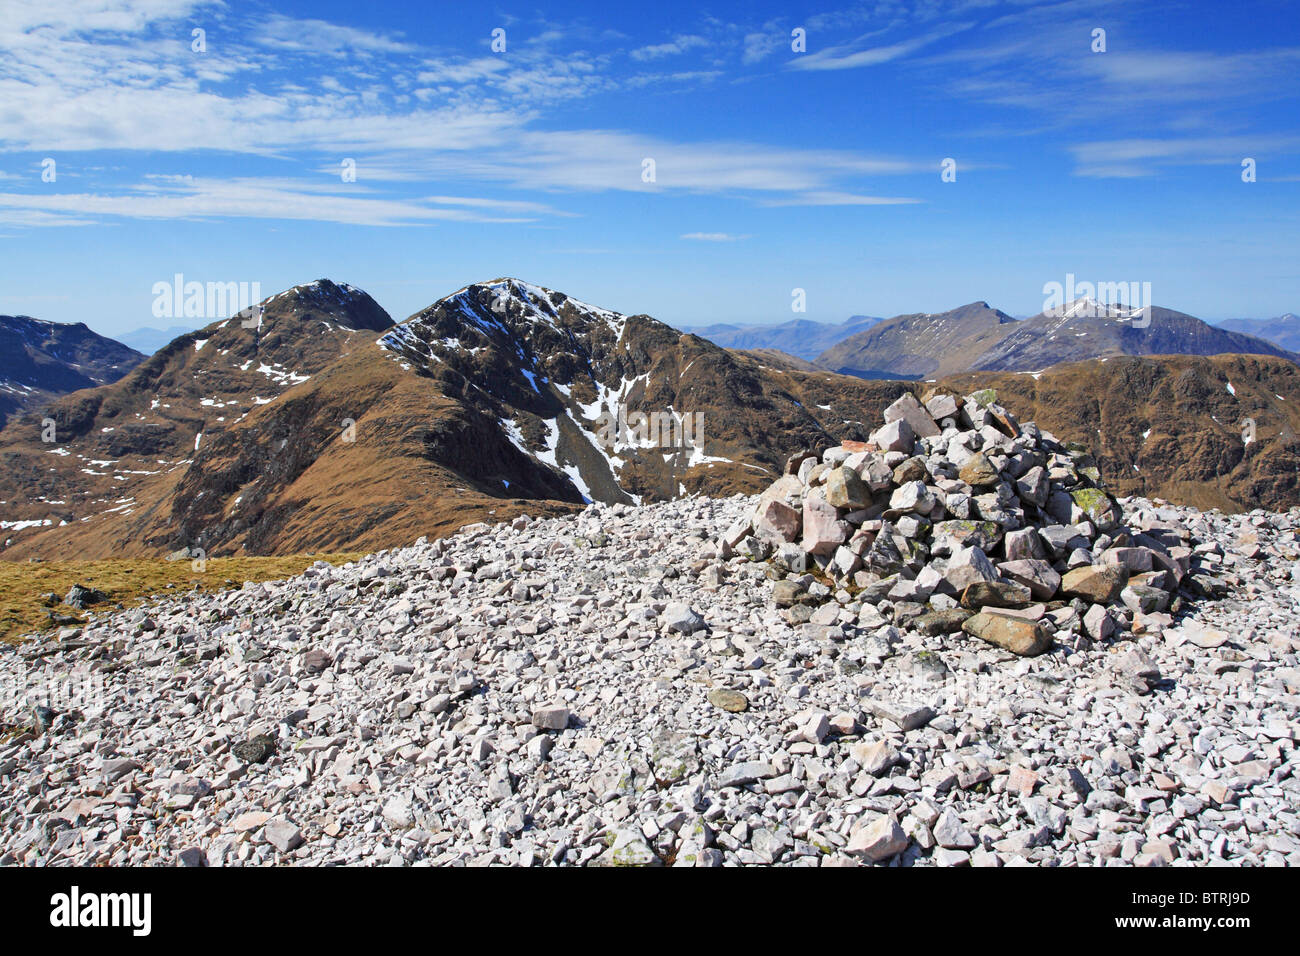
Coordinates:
(39, 360)
(314, 424)
(1085, 329)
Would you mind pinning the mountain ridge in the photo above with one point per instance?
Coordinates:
(313, 422)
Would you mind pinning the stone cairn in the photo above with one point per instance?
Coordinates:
(956, 516)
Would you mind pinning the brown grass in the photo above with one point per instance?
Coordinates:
(128, 581)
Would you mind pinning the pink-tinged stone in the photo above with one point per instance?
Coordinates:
(823, 531)
(776, 520)
(896, 436)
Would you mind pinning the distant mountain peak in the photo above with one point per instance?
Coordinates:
(1087, 307)
(345, 304)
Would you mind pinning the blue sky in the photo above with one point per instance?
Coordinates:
(774, 169)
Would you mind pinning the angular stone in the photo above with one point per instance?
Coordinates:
(904, 716)
(397, 811)
(978, 471)
(913, 469)
(776, 521)
(907, 408)
(741, 774)
(1140, 597)
(950, 535)
(1098, 623)
(876, 473)
(941, 407)
(1022, 545)
(282, 835)
(995, 594)
(948, 621)
(875, 757)
(949, 832)
(896, 436)
(682, 618)
(878, 840)
(1097, 506)
(967, 566)
(1097, 585)
(1033, 487)
(1018, 635)
(844, 489)
(913, 496)
(788, 593)
(553, 717)
(1136, 560)
(117, 768)
(1037, 575)
(823, 531)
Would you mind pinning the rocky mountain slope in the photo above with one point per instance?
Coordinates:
(119, 449)
(328, 428)
(1283, 331)
(498, 395)
(921, 345)
(39, 360)
(801, 338)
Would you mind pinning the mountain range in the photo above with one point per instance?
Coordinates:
(39, 360)
(980, 337)
(1283, 330)
(315, 423)
(801, 338)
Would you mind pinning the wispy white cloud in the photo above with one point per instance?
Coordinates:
(853, 56)
(713, 236)
(834, 198)
(192, 198)
(674, 47)
(97, 75)
(1145, 156)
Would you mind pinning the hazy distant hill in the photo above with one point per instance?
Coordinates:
(801, 338)
(1284, 330)
(1085, 329)
(149, 340)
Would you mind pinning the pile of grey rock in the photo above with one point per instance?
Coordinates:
(956, 516)
(618, 687)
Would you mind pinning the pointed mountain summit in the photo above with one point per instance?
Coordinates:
(119, 447)
(921, 345)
